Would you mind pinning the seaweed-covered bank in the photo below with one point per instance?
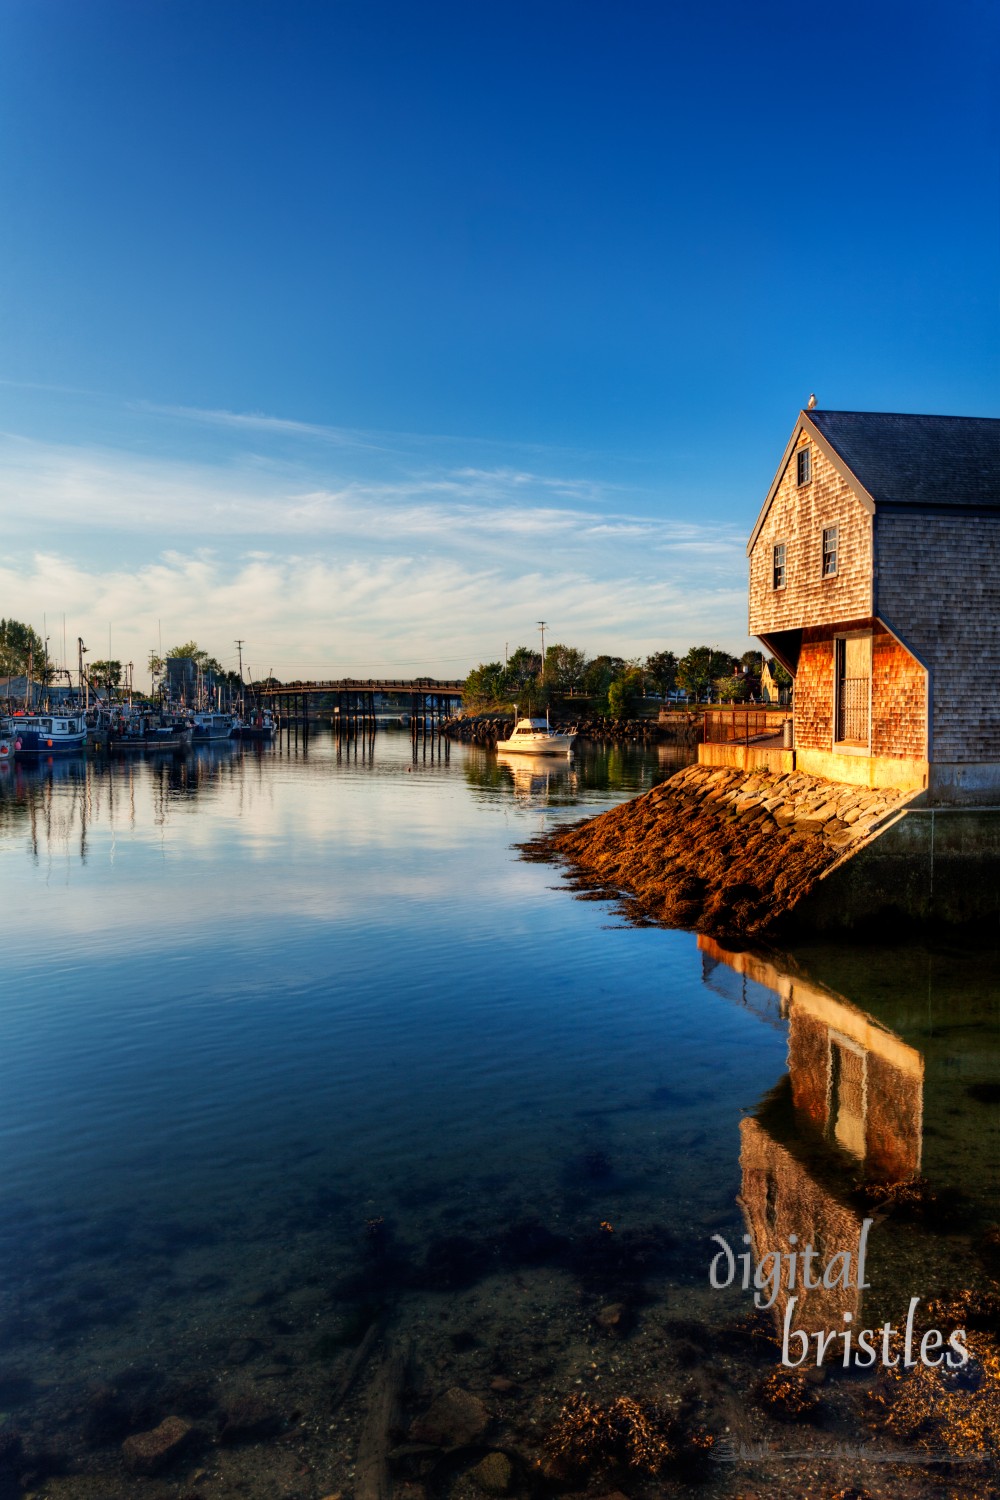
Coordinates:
(731, 853)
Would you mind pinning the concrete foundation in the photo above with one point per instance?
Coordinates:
(864, 770)
(933, 865)
(964, 783)
(747, 757)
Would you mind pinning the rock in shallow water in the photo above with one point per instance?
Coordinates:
(145, 1452)
(494, 1474)
(455, 1418)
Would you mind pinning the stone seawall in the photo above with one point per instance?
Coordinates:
(720, 850)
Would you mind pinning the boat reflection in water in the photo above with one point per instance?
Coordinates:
(538, 779)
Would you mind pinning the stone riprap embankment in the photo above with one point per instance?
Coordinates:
(486, 729)
(721, 850)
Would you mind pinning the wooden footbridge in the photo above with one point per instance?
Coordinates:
(351, 700)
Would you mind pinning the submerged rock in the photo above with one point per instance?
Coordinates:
(146, 1452)
(453, 1419)
(494, 1474)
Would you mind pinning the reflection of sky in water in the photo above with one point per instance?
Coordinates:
(344, 952)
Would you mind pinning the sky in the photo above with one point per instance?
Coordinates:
(374, 333)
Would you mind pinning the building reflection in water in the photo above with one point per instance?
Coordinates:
(849, 1109)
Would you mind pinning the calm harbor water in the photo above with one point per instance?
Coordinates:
(294, 1045)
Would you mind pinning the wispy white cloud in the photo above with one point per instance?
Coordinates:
(436, 568)
(251, 422)
(48, 485)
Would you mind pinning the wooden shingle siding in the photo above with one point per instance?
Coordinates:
(814, 691)
(939, 587)
(898, 694)
(899, 700)
(797, 517)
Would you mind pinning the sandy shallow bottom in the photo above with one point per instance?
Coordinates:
(321, 1369)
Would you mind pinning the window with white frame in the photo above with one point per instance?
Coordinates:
(830, 536)
(803, 471)
(778, 566)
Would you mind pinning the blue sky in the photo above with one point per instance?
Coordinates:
(373, 333)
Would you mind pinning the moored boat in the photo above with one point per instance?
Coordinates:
(143, 731)
(210, 726)
(257, 726)
(537, 737)
(46, 734)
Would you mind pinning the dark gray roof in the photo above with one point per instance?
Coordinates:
(910, 460)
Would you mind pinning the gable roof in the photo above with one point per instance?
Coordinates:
(911, 460)
(893, 458)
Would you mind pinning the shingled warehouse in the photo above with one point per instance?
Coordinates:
(875, 579)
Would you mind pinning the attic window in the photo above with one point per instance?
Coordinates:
(803, 461)
(829, 551)
(778, 564)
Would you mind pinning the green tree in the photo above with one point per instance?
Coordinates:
(732, 689)
(524, 668)
(105, 673)
(753, 661)
(485, 685)
(623, 692)
(21, 646)
(599, 676)
(701, 667)
(192, 650)
(661, 672)
(565, 668)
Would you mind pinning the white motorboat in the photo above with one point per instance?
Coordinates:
(537, 737)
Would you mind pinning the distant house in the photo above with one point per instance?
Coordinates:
(875, 580)
(770, 689)
(14, 692)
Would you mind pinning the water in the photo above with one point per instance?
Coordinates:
(294, 1043)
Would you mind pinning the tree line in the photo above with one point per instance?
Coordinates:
(22, 652)
(615, 684)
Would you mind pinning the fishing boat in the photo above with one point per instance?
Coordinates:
(537, 737)
(143, 731)
(209, 726)
(6, 751)
(46, 734)
(256, 726)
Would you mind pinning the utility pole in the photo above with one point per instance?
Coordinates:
(239, 647)
(81, 652)
(541, 626)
